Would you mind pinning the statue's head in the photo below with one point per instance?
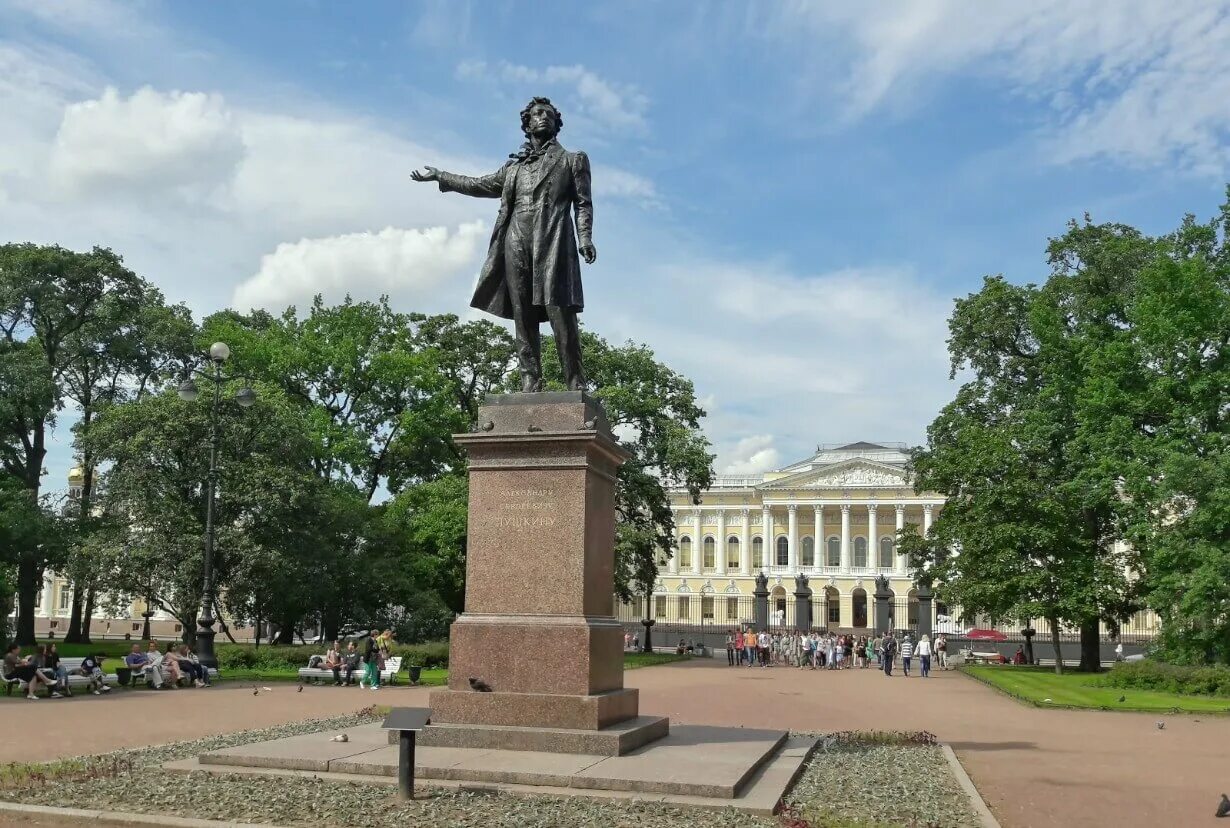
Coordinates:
(540, 117)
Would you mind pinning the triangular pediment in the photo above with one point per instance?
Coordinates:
(847, 474)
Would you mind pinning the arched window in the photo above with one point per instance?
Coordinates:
(732, 552)
(912, 608)
(685, 552)
(860, 552)
(710, 548)
(809, 551)
(783, 551)
(834, 551)
(886, 551)
(757, 553)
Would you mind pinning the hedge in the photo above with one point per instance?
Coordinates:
(1169, 678)
(244, 656)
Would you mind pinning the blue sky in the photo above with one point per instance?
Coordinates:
(788, 195)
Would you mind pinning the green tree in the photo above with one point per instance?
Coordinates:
(1164, 408)
(48, 295)
(119, 355)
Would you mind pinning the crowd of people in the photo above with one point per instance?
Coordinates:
(833, 651)
(348, 661)
(45, 669)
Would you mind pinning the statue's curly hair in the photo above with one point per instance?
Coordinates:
(525, 115)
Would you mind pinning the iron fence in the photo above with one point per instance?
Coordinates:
(699, 614)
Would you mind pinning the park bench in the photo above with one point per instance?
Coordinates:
(74, 681)
(315, 675)
(141, 676)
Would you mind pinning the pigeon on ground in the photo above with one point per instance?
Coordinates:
(1161, 725)
(1224, 808)
(300, 690)
(341, 737)
(255, 692)
(479, 685)
(267, 689)
(1122, 699)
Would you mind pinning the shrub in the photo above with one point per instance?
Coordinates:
(1169, 678)
(431, 655)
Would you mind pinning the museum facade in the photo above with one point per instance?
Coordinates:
(832, 517)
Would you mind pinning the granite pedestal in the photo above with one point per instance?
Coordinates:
(538, 633)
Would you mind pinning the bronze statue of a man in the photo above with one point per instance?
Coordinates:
(533, 272)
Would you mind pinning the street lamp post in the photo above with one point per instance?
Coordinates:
(219, 352)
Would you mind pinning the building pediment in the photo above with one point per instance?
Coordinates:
(845, 475)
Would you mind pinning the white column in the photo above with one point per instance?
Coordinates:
(873, 540)
(698, 544)
(845, 537)
(719, 556)
(672, 563)
(766, 533)
(899, 560)
(745, 544)
(926, 519)
(792, 537)
(818, 546)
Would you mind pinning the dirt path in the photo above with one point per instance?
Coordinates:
(1034, 767)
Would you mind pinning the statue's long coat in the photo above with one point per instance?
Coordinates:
(563, 186)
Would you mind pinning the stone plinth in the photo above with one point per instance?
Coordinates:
(538, 627)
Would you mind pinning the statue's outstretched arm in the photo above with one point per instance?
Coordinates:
(485, 186)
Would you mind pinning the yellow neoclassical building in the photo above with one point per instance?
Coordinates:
(832, 517)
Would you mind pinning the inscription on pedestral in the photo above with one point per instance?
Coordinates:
(525, 509)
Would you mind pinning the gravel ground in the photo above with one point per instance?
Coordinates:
(844, 784)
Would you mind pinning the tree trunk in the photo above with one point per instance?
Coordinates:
(286, 632)
(29, 574)
(1055, 643)
(73, 636)
(1091, 649)
(259, 624)
(88, 621)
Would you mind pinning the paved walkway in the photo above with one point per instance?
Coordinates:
(1034, 767)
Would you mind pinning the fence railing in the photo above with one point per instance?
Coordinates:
(711, 613)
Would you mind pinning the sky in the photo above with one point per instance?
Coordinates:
(788, 196)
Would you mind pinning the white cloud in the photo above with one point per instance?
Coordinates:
(405, 264)
(605, 102)
(751, 455)
(1143, 83)
(176, 141)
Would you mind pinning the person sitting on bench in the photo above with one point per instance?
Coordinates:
(91, 668)
(24, 669)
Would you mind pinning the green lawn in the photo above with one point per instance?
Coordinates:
(1041, 687)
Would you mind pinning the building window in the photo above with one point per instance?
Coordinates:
(809, 551)
(659, 606)
(685, 552)
(55, 625)
(706, 607)
(732, 608)
(886, 552)
(136, 627)
(834, 551)
(710, 547)
(783, 551)
(66, 597)
(684, 611)
(757, 553)
(732, 552)
(860, 552)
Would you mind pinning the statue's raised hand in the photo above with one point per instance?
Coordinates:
(426, 174)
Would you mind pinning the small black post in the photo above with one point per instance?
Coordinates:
(760, 603)
(647, 646)
(1029, 633)
(405, 764)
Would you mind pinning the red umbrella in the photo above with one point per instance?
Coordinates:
(986, 635)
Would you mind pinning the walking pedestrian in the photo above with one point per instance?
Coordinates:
(730, 649)
(888, 651)
(924, 655)
(907, 652)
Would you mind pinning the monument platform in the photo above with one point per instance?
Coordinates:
(698, 765)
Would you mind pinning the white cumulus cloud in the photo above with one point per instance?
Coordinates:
(394, 261)
(751, 455)
(591, 96)
(186, 141)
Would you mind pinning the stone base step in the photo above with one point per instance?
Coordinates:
(615, 740)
